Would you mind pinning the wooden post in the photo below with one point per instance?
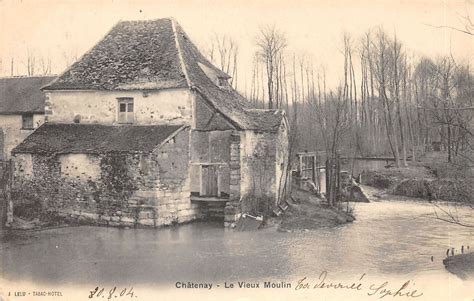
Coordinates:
(300, 171)
(318, 172)
(338, 171)
(3, 200)
(300, 163)
(328, 182)
(334, 181)
(8, 185)
(218, 181)
(201, 182)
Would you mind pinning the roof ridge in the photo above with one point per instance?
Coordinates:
(110, 125)
(180, 53)
(147, 20)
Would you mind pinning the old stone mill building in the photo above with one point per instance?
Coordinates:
(144, 130)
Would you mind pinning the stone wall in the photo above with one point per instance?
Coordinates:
(169, 106)
(233, 208)
(80, 166)
(234, 165)
(282, 164)
(258, 184)
(115, 189)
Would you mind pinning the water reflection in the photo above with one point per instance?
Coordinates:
(387, 238)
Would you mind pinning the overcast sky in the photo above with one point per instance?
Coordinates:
(61, 28)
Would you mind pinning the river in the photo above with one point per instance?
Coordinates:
(388, 238)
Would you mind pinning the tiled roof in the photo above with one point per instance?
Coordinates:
(157, 54)
(228, 101)
(51, 138)
(22, 94)
(132, 54)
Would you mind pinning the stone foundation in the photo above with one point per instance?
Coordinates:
(232, 214)
(137, 216)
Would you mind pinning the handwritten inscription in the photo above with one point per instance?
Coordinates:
(102, 293)
(380, 290)
(383, 291)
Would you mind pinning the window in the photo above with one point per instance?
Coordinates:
(27, 121)
(222, 82)
(125, 110)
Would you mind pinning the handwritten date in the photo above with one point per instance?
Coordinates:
(102, 293)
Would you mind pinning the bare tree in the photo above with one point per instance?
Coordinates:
(467, 25)
(30, 62)
(444, 95)
(45, 65)
(397, 64)
(70, 56)
(224, 53)
(349, 88)
(381, 52)
(271, 42)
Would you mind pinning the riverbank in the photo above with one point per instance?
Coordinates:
(27, 217)
(308, 212)
(461, 265)
(430, 178)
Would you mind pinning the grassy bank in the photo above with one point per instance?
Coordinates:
(461, 265)
(430, 178)
(309, 212)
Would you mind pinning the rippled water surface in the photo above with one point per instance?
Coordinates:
(389, 237)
